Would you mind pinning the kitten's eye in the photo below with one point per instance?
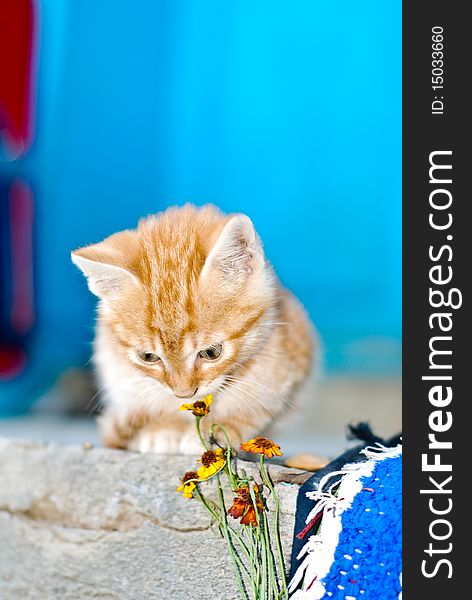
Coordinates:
(148, 357)
(211, 353)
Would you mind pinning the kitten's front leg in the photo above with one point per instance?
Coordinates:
(155, 439)
(118, 429)
(190, 443)
(139, 432)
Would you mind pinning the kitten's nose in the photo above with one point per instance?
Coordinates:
(185, 393)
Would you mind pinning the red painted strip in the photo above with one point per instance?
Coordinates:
(12, 362)
(21, 221)
(17, 43)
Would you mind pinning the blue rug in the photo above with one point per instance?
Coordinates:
(349, 529)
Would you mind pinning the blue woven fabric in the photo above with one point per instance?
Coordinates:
(367, 562)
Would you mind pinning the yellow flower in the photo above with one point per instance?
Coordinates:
(262, 445)
(212, 461)
(200, 408)
(187, 486)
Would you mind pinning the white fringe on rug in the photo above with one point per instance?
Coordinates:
(320, 549)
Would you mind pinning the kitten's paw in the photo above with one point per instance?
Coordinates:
(190, 444)
(156, 441)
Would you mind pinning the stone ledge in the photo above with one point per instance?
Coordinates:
(96, 523)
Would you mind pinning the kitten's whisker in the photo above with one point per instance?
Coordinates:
(101, 396)
(97, 393)
(277, 356)
(265, 405)
(275, 418)
(245, 404)
(235, 392)
(258, 401)
(250, 382)
(278, 323)
(247, 392)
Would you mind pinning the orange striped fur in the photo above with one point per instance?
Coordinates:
(185, 280)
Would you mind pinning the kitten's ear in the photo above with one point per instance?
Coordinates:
(237, 252)
(105, 265)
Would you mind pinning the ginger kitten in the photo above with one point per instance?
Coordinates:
(188, 305)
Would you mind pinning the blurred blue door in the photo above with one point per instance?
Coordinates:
(289, 112)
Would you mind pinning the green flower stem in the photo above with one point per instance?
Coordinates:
(254, 565)
(237, 563)
(261, 553)
(252, 562)
(225, 433)
(217, 518)
(273, 584)
(213, 512)
(261, 573)
(229, 452)
(197, 422)
(258, 561)
(244, 548)
(264, 563)
(268, 483)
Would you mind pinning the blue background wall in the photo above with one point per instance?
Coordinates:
(290, 112)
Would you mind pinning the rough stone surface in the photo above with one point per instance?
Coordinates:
(79, 523)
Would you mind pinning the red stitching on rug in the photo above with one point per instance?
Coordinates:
(312, 582)
(306, 529)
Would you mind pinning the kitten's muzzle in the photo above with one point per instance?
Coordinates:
(185, 394)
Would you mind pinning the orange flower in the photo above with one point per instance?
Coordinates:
(188, 486)
(249, 518)
(243, 506)
(262, 445)
(200, 408)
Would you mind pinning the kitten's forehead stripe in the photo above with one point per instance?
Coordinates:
(248, 324)
(173, 273)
